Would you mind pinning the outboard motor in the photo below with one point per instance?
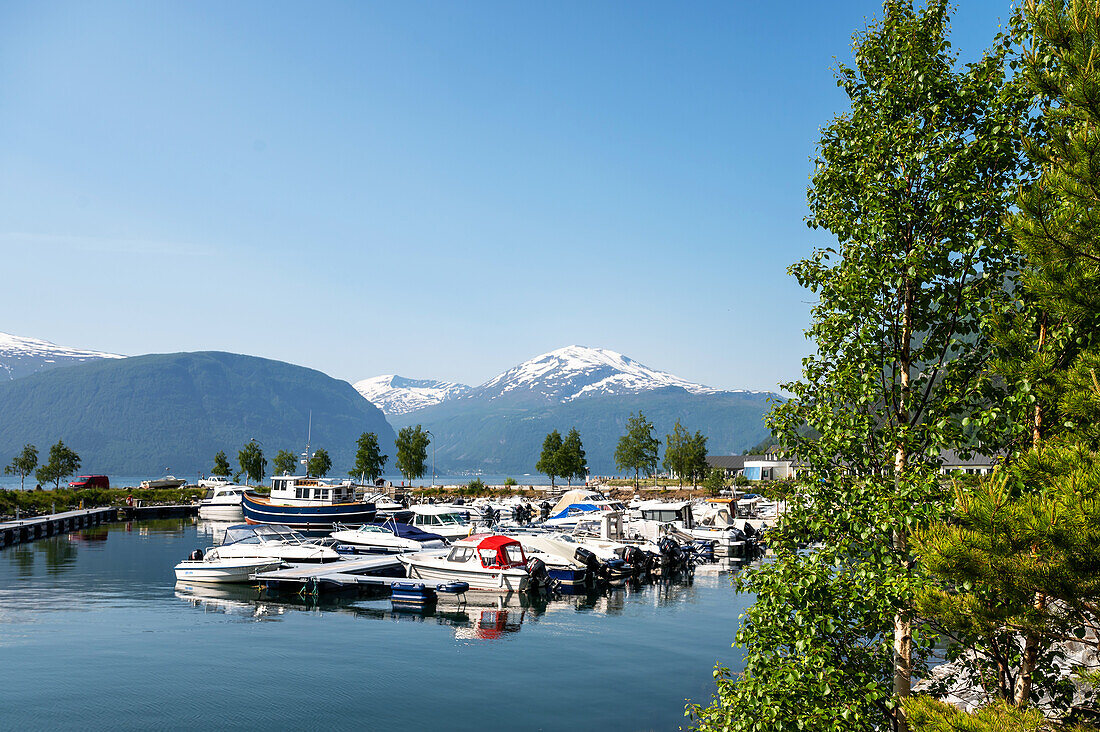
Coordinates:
(671, 552)
(590, 561)
(537, 569)
(196, 556)
(637, 558)
(544, 510)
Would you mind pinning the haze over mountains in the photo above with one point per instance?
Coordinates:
(141, 414)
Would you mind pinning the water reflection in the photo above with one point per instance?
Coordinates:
(23, 559)
(59, 552)
(479, 616)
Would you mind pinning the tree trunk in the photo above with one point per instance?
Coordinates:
(1037, 425)
(903, 624)
(1028, 661)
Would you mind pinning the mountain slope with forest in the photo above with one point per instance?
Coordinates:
(145, 414)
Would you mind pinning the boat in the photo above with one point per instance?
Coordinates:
(210, 567)
(447, 521)
(307, 504)
(579, 504)
(484, 561)
(271, 541)
(168, 481)
(223, 502)
(388, 537)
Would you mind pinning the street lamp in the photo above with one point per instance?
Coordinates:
(429, 432)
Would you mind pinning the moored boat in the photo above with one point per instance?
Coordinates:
(271, 541)
(388, 537)
(484, 561)
(212, 568)
(307, 504)
(223, 502)
(168, 481)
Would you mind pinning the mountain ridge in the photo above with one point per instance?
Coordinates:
(22, 356)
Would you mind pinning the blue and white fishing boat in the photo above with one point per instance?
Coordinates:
(307, 504)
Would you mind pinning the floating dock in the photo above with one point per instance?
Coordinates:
(39, 527)
(379, 570)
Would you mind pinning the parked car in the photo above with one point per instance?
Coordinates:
(90, 481)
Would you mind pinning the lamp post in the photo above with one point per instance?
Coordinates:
(429, 432)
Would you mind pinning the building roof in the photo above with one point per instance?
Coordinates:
(976, 460)
(727, 462)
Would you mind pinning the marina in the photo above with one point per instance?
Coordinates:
(574, 661)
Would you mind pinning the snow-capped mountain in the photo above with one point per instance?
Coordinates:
(577, 371)
(21, 356)
(398, 395)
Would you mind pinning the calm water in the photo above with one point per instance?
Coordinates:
(94, 633)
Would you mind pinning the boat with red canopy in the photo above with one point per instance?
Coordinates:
(485, 561)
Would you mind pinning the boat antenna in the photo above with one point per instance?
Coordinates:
(309, 436)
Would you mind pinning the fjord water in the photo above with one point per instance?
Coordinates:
(95, 633)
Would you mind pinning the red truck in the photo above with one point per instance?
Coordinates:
(90, 481)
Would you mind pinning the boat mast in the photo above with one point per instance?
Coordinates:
(309, 436)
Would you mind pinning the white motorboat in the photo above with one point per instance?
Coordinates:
(447, 521)
(223, 502)
(484, 561)
(271, 541)
(168, 481)
(389, 537)
(212, 568)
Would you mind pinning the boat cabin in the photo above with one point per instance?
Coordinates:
(262, 534)
(489, 551)
(666, 513)
(228, 492)
(315, 490)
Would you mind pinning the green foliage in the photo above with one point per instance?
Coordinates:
(319, 463)
(509, 482)
(62, 463)
(285, 463)
(501, 436)
(23, 464)
(32, 503)
(572, 464)
(252, 461)
(714, 482)
(741, 481)
(476, 485)
(637, 449)
(412, 451)
(1049, 343)
(369, 460)
(549, 461)
(914, 182)
(686, 454)
(221, 465)
(930, 715)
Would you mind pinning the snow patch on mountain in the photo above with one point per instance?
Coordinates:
(20, 356)
(578, 371)
(398, 395)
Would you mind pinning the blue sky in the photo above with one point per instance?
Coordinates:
(439, 190)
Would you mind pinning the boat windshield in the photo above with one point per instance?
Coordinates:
(368, 529)
(514, 554)
(209, 494)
